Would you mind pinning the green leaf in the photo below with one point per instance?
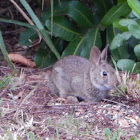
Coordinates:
(114, 13)
(137, 67)
(135, 5)
(115, 136)
(137, 51)
(126, 22)
(60, 9)
(26, 37)
(76, 10)
(63, 28)
(110, 33)
(133, 27)
(44, 57)
(102, 7)
(119, 39)
(132, 41)
(71, 49)
(107, 132)
(83, 45)
(120, 53)
(126, 64)
(81, 14)
(134, 30)
(118, 26)
(120, 1)
(135, 14)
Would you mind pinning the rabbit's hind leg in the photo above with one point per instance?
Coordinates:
(62, 82)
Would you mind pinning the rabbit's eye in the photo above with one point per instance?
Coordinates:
(104, 73)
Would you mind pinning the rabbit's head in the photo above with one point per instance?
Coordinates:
(102, 75)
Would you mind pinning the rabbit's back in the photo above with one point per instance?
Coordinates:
(73, 65)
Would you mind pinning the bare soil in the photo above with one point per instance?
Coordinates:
(28, 105)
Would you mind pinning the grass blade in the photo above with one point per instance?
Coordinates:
(40, 27)
(51, 17)
(4, 51)
(18, 23)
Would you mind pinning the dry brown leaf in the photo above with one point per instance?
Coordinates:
(21, 59)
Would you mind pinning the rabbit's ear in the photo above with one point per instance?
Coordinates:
(104, 53)
(95, 55)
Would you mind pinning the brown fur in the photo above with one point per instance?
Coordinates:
(77, 76)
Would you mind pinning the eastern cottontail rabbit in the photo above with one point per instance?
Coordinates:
(77, 76)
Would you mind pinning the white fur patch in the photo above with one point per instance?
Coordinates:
(101, 87)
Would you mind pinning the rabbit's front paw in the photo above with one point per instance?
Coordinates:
(72, 99)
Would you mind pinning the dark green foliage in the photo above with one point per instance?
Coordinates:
(27, 37)
(114, 13)
(75, 23)
(112, 18)
(44, 56)
(63, 28)
(80, 25)
(126, 64)
(83, 45)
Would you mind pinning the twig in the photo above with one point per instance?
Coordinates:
(29, 21)
(22, 12)
(64, 105)
(114, 102)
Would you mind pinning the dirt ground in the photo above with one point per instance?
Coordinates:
(27, 106)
